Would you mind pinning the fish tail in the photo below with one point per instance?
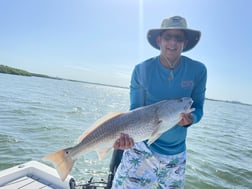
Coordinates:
(62, 161)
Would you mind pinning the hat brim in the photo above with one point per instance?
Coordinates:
(193, 37)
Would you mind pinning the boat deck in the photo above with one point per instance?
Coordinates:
(33, 175)
(28, 182)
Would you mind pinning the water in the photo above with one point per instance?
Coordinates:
(39, 116)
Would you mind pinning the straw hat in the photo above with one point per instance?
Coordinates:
(176, 22)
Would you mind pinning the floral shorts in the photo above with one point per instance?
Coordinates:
(142, 168)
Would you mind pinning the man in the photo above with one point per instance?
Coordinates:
(167, 76)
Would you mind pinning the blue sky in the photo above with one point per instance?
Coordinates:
(102, 40)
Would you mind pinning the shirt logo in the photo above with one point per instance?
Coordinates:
(187, 84)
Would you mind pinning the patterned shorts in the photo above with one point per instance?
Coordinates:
(142, 168)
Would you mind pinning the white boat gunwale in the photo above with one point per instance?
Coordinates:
(36, 171)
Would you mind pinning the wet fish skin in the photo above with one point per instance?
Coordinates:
(144, 123)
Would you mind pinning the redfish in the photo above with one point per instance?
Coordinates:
(144, 123)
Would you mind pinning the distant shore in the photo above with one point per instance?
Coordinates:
(15, 71)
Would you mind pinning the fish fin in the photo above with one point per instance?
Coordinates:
(102, 154)
(156, 133)
(62, 162)
(153, 138)
(99, 123)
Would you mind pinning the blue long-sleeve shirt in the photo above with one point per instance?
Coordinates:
(150, 83)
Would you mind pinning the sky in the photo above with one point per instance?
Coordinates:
(102, 40)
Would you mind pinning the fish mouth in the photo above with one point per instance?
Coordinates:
(188, 108)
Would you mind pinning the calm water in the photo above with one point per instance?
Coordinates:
(39, 116)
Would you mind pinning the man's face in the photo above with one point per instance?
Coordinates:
(171, 43)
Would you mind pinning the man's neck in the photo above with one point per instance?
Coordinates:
(171, 64)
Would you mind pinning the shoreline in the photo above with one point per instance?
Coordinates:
(15, 71)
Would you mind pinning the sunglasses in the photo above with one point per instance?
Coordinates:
(177, 38)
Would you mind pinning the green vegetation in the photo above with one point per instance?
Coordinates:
(16, 71)
(10, 70)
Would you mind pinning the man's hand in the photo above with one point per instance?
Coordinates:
(124, 142)
(187, 119)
